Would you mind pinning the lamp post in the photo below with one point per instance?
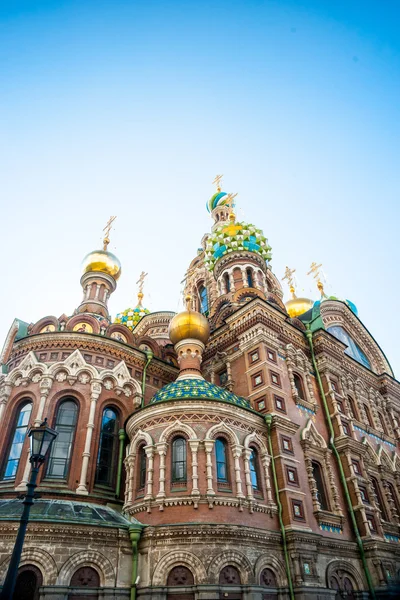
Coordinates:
(41, 439)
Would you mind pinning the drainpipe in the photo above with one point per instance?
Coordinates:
(309, 336)
(149, 355)
(134, 534)
(121, 437)
(268, 421)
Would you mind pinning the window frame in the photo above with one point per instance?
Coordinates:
(253, 379)
(273, 374)
(294, 502)
(250, 356)
(226, 481)
(326, 498)
(274, 356)
(257, 489)
(115, 450)
(290, 469)
(175, 481)
(283, 439)
(299, 378)
(17, 412)
(67, 469)
(282, 400)
(201, 286)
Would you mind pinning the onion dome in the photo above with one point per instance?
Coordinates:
(298, 306)
(102, 261)
(197, 389)
(189, 324)
(235, 237)
(131, 316)
(217, 199)
(349, 303)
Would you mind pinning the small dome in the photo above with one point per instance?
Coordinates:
(197, 389)
(102, 261)
(298, 306)
(349, 303)
(218, 199)
(189, 324)
(131, 316)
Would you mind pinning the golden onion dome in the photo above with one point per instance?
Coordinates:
(189, 324)
(102, 261)
(298, 306)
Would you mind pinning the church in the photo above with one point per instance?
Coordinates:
(245, 448)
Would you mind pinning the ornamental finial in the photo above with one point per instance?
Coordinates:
(107, 230)
(140, 282)
(290, 279)
(316, 272)
(217, 182)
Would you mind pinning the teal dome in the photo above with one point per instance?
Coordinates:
(349, 303)
(199, 389)
(218, 199)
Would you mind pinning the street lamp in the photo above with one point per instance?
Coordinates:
(41, 439)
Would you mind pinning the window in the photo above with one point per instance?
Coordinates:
(378, 499)
(253, 463)
(356, 467)
(29, 580)
(18, 438)
(334, 386)
(298, 384)
(85, 577)
(371, 523)
(275, 379)
(346, 428)
(249, 275)
(291, 476)
(180, 576)
(107, 448)
(340, 406)
(257, 379)
(352, 406)
(279, 403)
(271, 355)
(352, 349)
(297, 509)
(221, 459)
(227, 283)
(319, 482)
(363, 494)
(223, 377)
(268, 578)
(368, 416)
(203, 300)
(142, 468)
(394, 496)
(60, 454)
(260, 404)
(179, 460)
(254, 356)
(382, 422)
(229, 576)
(286, 444)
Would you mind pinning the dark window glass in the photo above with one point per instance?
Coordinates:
(85, 577)
(222, 462)
(179, 460)
(352, 406)
(29, 580)
(352, 349)
(203, 300)
(107, 447)
(229, 576)
(180, 576)
(249, 274)
(319, 482)
(368, 415)
(268, 578)
(299, 386)
(60, 454)
(227, 283)
(378, 499)
(253, 460)
(142, 474)
(18, 438)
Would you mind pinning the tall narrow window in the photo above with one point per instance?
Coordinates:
(142, 468)
(18, 437)
(61, 449)
(379, 499)
(254, 474)
(299, 386)
(368, 415)
(203, 300)
(352, 406)
(227, 283)
(222, 462)
(319, 482)
(107, 447)
(382, 422)
(179, 460)
(249, 274)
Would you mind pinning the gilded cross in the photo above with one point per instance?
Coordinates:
(289, 276)
(140, 281)
(315, 270)
(229, 200)
(217, 182)
(107, 230)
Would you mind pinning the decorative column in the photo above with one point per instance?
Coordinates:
(97, 291)
(246, 454)
(209, 446)
(244, 277)
(265, 459)
(94, 396)
(5, 393)
(237, 452)
(130, 472)
(194, 446)
(45, 387)
(27, 469)
(150, 470)
(162, 451)
(88, 290)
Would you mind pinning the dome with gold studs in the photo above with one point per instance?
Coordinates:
(102, 261)
(189, 324)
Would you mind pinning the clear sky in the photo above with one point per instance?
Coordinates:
(131, 108)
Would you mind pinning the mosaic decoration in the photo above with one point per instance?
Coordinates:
(131, 316)
(83, 328)
(377, 439)
(307, 410)
(197, 388)
(392, 538)
(235, 237)
(330, 528)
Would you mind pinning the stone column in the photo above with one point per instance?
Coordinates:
(246, 454)
(27, 469)
(130, 472)
(5, 393)
(162, 451)
(45, 387)
(237, 452)
(231, 281)
(94, 395)
(244, 277)
(194, 446)
(265, 459)
(150, 470)
(209, 446)
(88, 290)
(97, 291)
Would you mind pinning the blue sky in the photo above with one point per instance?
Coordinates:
(131, 108)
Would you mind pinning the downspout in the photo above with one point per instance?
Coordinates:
(309, 336)
(149, 355)
(121, 437)
(134, 534)
(268, 420)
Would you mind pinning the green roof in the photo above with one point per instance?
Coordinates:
(197, 389)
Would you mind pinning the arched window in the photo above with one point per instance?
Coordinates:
(179, 460)
(29, 580)
(227, 283)
(352, 349)
(319, 482)
(368, 415)
(85, 577)
(382, 422)
(378, 499)
(352, 406)
(108, 448)
(268, 578)
(60, 454)
(203, 300)
(142, 467)
(254, 472)
(298, 384)
(18, 437)
(229, 576)
(249, 275)
(222, 460)
(180, 576)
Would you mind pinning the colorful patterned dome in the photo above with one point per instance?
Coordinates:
(218, 199)
(234, 237)
(131, 316)
(197, 389)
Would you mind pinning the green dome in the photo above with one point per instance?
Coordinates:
(199, 389)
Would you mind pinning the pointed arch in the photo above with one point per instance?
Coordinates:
(177, 558)
(384, 458)
(254, 437)
(177, 427)
(213, 432)
(310, 434)
(371, 456)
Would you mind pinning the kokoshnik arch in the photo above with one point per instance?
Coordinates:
(245, 448)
